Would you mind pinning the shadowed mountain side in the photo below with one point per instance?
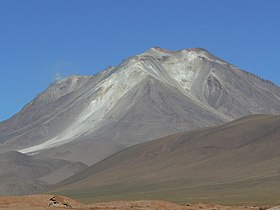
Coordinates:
(63, 173)
(23, 174)
(237, 162)
(20, 173)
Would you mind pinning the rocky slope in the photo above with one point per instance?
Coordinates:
(147, 96)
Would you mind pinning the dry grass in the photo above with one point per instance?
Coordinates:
(236, 163)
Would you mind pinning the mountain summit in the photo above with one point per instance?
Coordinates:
(147, 96)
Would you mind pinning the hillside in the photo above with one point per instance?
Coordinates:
(23, 174)
(234, 163)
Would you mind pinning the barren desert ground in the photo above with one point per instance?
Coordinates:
(44, 202)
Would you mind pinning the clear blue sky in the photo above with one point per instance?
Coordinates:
(39, 38)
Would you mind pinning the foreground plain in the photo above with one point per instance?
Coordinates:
(42, 202)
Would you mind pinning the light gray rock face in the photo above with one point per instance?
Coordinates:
(147, 96)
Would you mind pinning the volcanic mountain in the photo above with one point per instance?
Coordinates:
(237, 162)
(151, 95)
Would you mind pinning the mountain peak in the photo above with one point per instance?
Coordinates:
(197, 50)
(186, 53)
